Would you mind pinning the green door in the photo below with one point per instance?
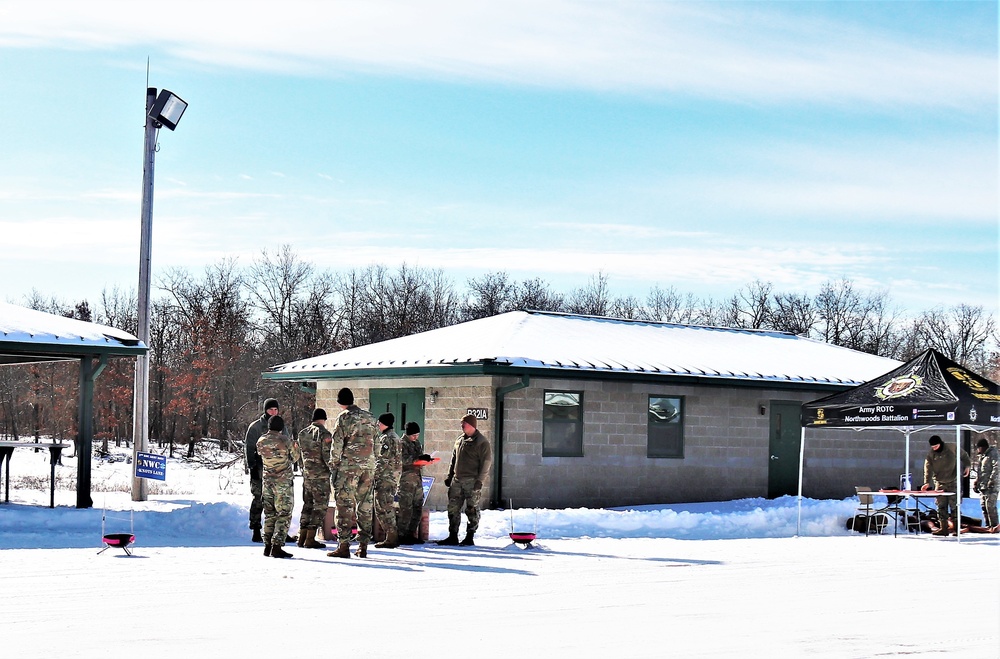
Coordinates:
(783, 455)
(405, 404)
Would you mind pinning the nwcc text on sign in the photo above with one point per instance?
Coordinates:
(151, 465)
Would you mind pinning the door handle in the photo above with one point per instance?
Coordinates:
(774, 457)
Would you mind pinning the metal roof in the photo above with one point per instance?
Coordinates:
(531, 340)
(27, 335)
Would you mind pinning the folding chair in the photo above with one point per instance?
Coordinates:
(872, 515)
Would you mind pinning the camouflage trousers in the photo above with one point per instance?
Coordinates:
(353, 493)
(411, 503)
(315, 501)
(278, 498)
(988, 502)
(256, 505)
(943, 503)
(385, 503)
(463, 493)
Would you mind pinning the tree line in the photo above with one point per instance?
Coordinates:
(212, 333)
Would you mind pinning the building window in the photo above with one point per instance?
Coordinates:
(562, 424)
(665, 429)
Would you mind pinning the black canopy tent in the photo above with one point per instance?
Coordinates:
(927, 392)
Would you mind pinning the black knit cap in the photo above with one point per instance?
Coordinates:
(982, 443)
(319, 414)
(276, 423)
(935, 440)
(345, 397)
(387, 419)
(412, 428)
(270, 403)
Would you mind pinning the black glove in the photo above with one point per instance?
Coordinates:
(424, 457)
(975, 488)
(447, 482)
(478, 485)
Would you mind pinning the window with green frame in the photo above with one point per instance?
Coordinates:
(665, 427)
(562, 424)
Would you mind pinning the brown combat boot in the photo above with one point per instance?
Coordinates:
(391, 540)
(311, 542)
(303, 534)
(343, 551)
(362, 551)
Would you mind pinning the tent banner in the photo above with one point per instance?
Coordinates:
(930, 390)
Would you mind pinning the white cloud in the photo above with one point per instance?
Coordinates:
(743, 52)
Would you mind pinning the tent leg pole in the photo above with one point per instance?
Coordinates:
(802, 452)
(958, 484)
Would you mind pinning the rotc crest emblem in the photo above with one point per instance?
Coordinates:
(899, 386)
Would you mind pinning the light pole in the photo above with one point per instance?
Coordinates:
(163, 110)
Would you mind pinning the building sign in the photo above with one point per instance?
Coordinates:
(481, 413)
(150, 465)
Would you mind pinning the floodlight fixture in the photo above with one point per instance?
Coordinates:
(167, 109)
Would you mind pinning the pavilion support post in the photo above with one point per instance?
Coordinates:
(85, 432)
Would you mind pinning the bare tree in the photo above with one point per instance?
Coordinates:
(749, 307)
(534, 294)
(276, 284)
(493, 293)
(792, 312)
(961, 333)
(593, 299)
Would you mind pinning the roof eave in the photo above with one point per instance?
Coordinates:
(567, 373)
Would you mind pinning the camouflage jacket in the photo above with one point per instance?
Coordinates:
(388, 461)
(314, 442)
(353, 440)
(988, 470)
(279, 453)
(409, 450)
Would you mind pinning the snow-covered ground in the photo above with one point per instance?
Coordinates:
(698, 580)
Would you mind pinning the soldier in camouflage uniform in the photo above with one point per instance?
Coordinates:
(411, 487)
(387, 468)
(254, 466)
(352, 459)
(314, 442)
(279, 453)
(470, 465)
(939, 473)
(987, 483)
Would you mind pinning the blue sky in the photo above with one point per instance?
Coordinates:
(693, 145)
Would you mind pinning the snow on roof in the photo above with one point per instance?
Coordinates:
(37, 330)
(555, 341)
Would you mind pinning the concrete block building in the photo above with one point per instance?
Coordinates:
(587, 411)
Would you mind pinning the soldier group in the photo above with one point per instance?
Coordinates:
(361, 460)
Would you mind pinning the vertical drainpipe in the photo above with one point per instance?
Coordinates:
(498, 434)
